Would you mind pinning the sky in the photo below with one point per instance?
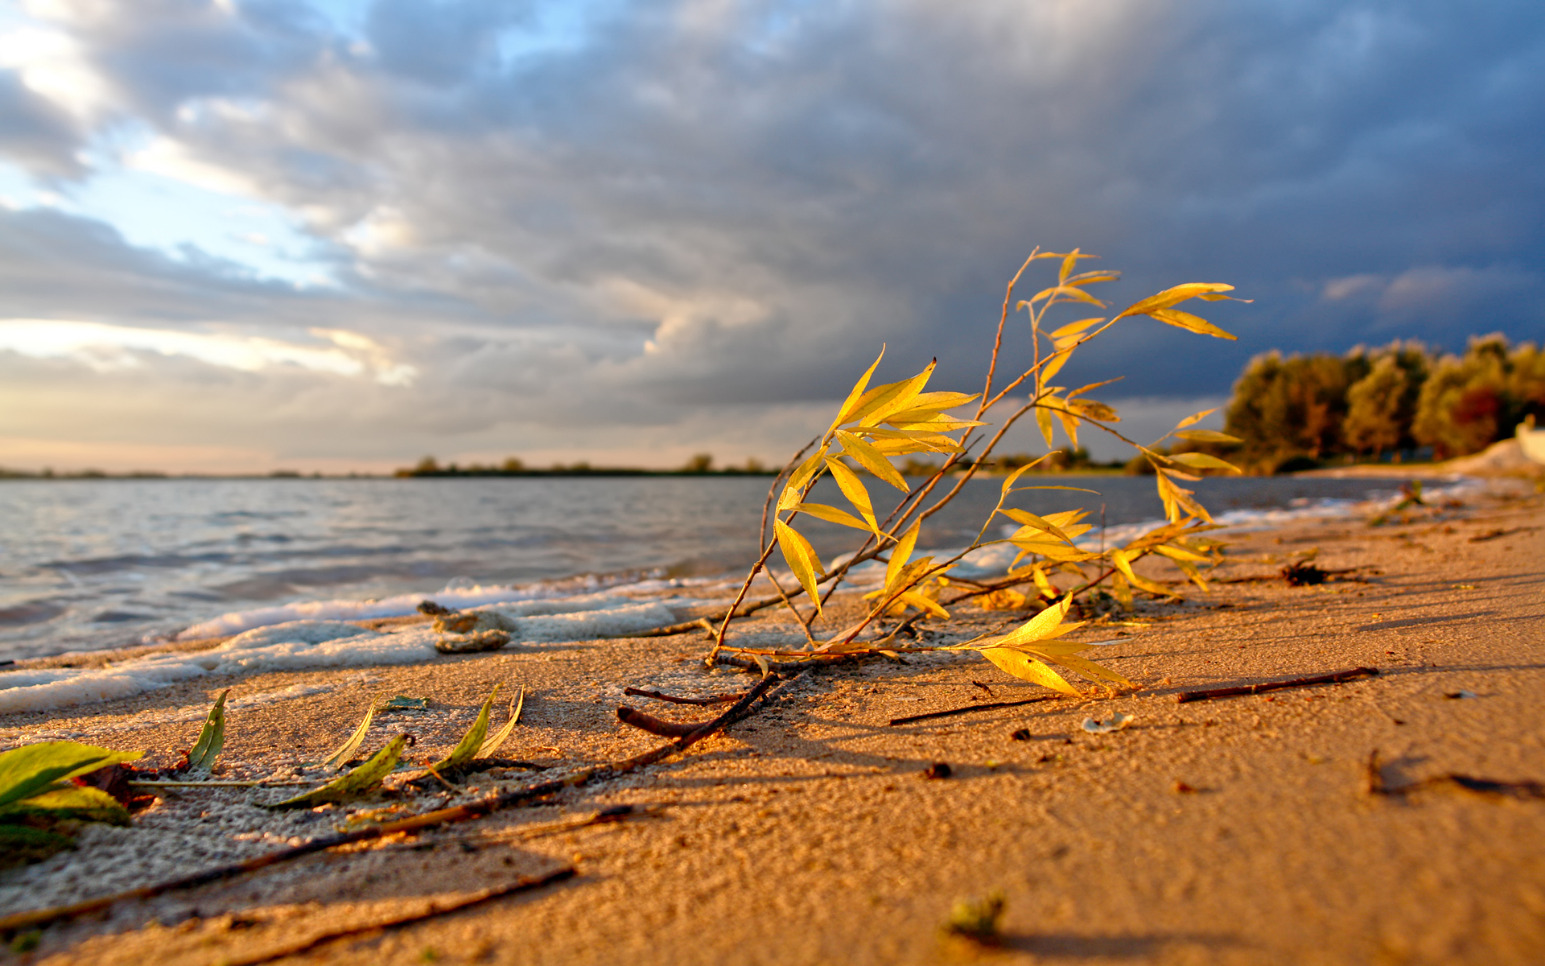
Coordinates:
(338, 235)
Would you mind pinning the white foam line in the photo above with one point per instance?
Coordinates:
(313, 645)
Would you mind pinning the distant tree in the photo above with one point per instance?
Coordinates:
(700, 463)
(1526, 385)
(1290, 407)
(1464, 403)
(426, 466)
(513, 465)
(1373, 422)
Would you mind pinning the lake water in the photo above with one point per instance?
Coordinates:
(89, 564)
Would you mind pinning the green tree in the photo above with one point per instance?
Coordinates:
(1463, 405)
(1373, 422)
(1285, 408)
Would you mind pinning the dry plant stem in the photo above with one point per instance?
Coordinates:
(968, 709)
(678, 699)
(1335, 678)
(434, 909)
(445, 816)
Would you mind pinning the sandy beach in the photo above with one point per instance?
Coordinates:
(1236, 830)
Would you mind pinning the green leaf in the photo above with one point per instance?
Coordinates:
(472, 741)
(211, 738)
(346, 750)
(358, 781)
(492, 744)
(69, 802)
(32, 769)
(800, 557)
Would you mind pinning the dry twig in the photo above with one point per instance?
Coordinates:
(1336, 678)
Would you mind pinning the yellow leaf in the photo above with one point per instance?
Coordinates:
(853, 488)
(844, 414)
(1174, 296)
(794, 491)
(1089, 669)
(901, 553)
(891, 398)
(939, 401)
(1044, 585)
(1207, 436)
(924, 604)
(1121, 590)
(871, 459)
(1074, 328)
(1191, 323)
(800, 557)
(1203, 461)
(1043, 626)
(1069, 426)
(1008, 483)
(1066, 293)
(1091, 278)
(1026, 668)
(1124, 564)
(1054, 364)
(1005, 598)
(1043, 420)
(1180, 553)
(832, 515)
(1195, 418)
(1093, 410)
(1031, 520)
(1068, 262)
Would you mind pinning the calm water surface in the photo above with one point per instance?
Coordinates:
(103, 563)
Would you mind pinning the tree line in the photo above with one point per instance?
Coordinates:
(1400, 401)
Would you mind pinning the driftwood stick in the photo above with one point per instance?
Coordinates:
(678, 699)
(655, 726)
(445, 816)
(434, 909)
(968, 709)
(1335, 678)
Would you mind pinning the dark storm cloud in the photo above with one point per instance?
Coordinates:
(677, 206)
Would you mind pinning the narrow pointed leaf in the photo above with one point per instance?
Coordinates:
(844, 414)
(467, 748)
(853, 488)
(832, 514)
(346, 750)
(902, 553)
(1207, 436)
(30, 769)
(493, 744)
(1191, 323)
(870, 459)
(794, 490)
(1053, 365)
(211, 738)
(1040, 626)
(1089, 669)
(356, 782)
(1174, 296)
(1195, 418)
(1043, 420)
(800, 557)
(1123, 563)
(1027, 668)
(1204, 461)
